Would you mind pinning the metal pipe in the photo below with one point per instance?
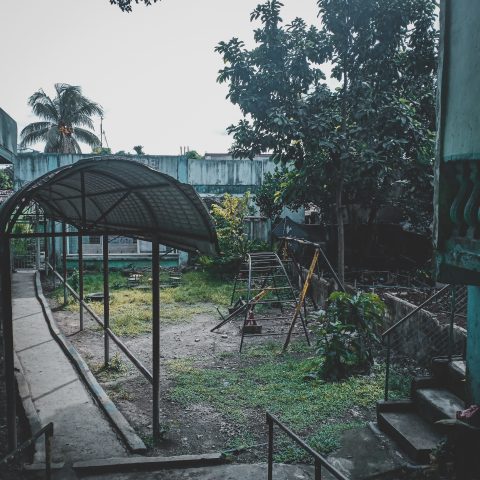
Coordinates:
(64, 262)
(416, 310)
(452, 321)
(80, 278)
(318, 458)
(387, 368)
(37, 243)
(106, 302)
(7, 320)
(270, 448)
(156, 337)
(45, 234)
(47, 430)
(54, 254)
(318, 470)
(48, 452)
(146, 373)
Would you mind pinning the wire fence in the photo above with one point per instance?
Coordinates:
(416, 336)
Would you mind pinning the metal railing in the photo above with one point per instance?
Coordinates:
(47, 430)
(320, 461)
(421, 339)
(128, 353)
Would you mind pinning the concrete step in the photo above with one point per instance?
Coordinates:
(435, 404)
(416, 436)
(458, 368)
(456, 378)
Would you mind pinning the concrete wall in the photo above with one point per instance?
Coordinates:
(207, 176)
(8, 137)
(421, 337)
(214, 176)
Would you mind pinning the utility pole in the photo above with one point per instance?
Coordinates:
(101, 131)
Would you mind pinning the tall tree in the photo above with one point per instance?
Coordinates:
(357, 138)
(66, 120)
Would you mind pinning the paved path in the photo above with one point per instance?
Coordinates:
(81, 430)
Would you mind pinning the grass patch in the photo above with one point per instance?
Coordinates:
(113, 371)
(316, 410)
(130, 308)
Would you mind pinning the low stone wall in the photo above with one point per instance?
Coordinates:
(423, 335)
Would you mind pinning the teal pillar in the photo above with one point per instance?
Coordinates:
(473, 344)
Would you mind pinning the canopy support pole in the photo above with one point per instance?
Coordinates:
(7, 323)
(37, 243)
(106, 302)
(64, 262)
(47, 258)
(156, 337)
(54, 254)
(80, 278)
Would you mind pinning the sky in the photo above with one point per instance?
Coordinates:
(153, 70)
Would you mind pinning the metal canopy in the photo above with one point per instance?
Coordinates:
(119, 196)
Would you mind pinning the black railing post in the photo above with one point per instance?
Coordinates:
(48, 452)
(270, 447)
(387, 369)
(318, 469)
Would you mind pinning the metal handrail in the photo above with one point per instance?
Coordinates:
(108, 331)
(47, 430)
(388, 332)
(320, 461)
(416, 310)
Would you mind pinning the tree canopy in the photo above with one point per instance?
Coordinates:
(350, 144)
(66, 120)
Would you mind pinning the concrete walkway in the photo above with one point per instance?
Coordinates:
(81, 431)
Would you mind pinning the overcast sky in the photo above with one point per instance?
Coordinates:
(154, 70)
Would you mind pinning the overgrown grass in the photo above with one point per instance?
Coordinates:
(130, 308)
(318, 411)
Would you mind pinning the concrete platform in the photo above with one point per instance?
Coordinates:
(225, 472)
(81, 431)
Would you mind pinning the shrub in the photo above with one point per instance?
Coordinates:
(347, 332)
(229, 217)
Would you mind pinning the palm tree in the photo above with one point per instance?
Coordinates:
(63, 118)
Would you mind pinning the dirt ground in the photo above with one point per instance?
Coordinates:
(189, 430)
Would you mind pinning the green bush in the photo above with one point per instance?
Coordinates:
(346, 333)
(229, 217)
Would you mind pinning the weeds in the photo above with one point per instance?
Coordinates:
(317, 410)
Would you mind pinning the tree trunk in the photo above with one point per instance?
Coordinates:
(340, 231)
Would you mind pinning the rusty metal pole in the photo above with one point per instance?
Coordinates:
(64, 262)
(80, 277)
(7, 321)
(156, 337)
(54, 254)
(106, 301)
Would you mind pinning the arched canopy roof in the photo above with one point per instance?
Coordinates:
(120, 196)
